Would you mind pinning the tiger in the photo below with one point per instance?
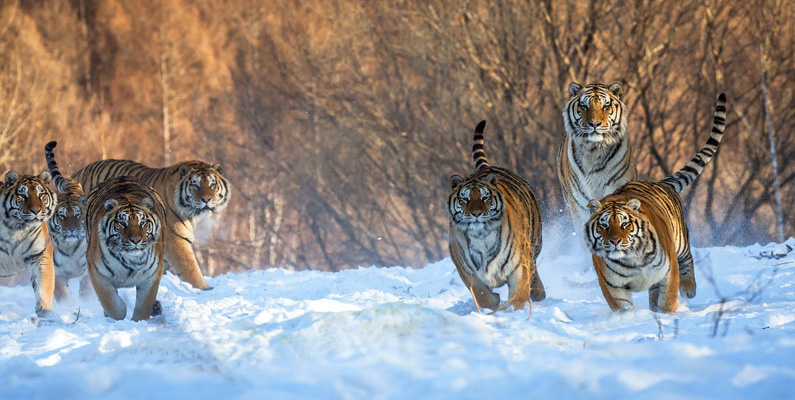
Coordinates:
(637, 233)
(68, 233)
(595, 157)
(495, 232)
(126, 245)
(26, 204)
(191, 190)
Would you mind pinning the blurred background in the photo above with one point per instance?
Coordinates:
(339, 122)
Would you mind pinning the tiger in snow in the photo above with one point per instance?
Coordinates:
(67, 229)
(639, 237)
(495, 232)
(595, 157)
(190, 189)
(126, 245)
(26, 204)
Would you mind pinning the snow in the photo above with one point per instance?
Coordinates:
(401, 333)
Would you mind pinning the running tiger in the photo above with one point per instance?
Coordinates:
(67, 229)
(191, 189)
(595, 157)
(126, 244)
(638, 235)
(26, 203)
(495, 232)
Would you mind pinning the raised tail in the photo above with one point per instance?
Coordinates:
(478, 154)
(685, 176)
(68, 186)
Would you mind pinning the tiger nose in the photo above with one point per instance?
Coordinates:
(207, 199)
(35, 209)
(615, 241)
(135, 239)
(476, 213)
(595, 124)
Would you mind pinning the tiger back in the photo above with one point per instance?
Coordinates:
(190, 190)
(595, 157)
(495, 232)
(26, 204)
(639, 238)
(67, 229)
(125, 221)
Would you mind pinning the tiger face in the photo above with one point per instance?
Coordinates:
(130, 228)
(476, 203)
(615, 229)
(67, 223)
(27, 199)
(201, 189)
(595, 113)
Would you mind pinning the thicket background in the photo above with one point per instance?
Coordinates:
(340, 121)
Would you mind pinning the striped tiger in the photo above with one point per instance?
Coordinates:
(26, 203)
(639, 231)
(67, 229)
(495, 232)
(191, 189)
(126, 245)
(595, 157)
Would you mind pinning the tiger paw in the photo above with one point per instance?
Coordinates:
(157, 309)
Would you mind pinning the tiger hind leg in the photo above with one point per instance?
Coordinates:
(537, 291)
(85, 287)
(687, 276)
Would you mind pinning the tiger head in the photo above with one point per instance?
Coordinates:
(475, 202)
(27, 199)
(129, 228)
(67, 223)
(201, 189)
(595, 113)
(616, 228)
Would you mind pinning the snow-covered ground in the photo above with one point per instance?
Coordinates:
(400, 333)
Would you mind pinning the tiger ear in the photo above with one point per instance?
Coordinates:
(82, 200)
(45, 176)
(11, 176)
(633, 204)
(455, 180)
(574, 88)
(110, 204)
(148, 203)
(594, 205)
(617, 89)
(492, 179)
(218, 168)
(183, 170)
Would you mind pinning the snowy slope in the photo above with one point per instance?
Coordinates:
(399, 333)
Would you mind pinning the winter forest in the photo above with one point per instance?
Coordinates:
(339, 122)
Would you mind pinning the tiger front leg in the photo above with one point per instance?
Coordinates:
(180, 256)
(42, 279)
(146, 295)
(484, 297)
(108, 295)
(61, 289)
(618, 298)
(664, 296)
(85, 287)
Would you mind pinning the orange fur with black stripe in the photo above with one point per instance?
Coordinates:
(26, 204)
(595, 157)
(190, 190)
(495, 232)
(67, 229)
(639, 237)
(126, 245)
